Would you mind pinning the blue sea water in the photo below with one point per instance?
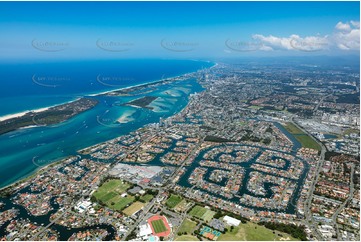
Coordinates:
(27, 86)
(31, 85)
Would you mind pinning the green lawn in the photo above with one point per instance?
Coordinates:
(202, 213)
(305, 140)
(109, 193)
(159, 226)
(111, 186)
(187, 226)
(173, 200)
(187, 238)
(107, 196)
(146, 197)
(292, 128)
(119, 203)
(253, 232)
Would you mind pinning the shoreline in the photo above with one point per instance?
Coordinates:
(39, 110)
(22, 113)
(36, 171)
(31, 174)
(139, 85)
(149, 82)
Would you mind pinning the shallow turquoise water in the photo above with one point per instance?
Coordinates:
(23, 151)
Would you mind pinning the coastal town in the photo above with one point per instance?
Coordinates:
(251, 152)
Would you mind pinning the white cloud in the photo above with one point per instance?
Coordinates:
(273, 42)
(356, 24)
(343, 27)
(265, 48)
(293, 42)
(345, 37)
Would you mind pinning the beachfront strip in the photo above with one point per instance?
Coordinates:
(218, 166)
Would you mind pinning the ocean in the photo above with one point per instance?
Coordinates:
(29, 86)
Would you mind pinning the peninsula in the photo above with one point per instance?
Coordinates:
(53, 115)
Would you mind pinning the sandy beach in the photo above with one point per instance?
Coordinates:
(16, 115)
(138, 85)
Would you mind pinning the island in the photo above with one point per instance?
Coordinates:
(53, 115)
(142, 102)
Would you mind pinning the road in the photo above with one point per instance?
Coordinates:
(87, 193)
(339, 209)
(141, 217)
(321, 101)
(309, 221)
(160, 189)
(308, 214)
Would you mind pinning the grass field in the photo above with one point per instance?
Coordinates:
(187, 238)
(133, 208)
(202, 213)
(292, 128)
(182, 206)
(111, 186)
(146, 197)
(187, 226)
(173, 201)
(109, 193)
(305, 140)
(252, 232)
(159, 226)
(119, 203)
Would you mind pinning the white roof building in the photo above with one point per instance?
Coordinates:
(231, 221)
(83, 206)
(145, 230)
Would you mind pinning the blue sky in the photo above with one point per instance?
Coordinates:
(177, 29)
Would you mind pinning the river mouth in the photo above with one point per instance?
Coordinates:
(105, 121)
(97, 125)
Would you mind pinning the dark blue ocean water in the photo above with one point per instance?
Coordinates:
(37, 84)
(23, 150)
